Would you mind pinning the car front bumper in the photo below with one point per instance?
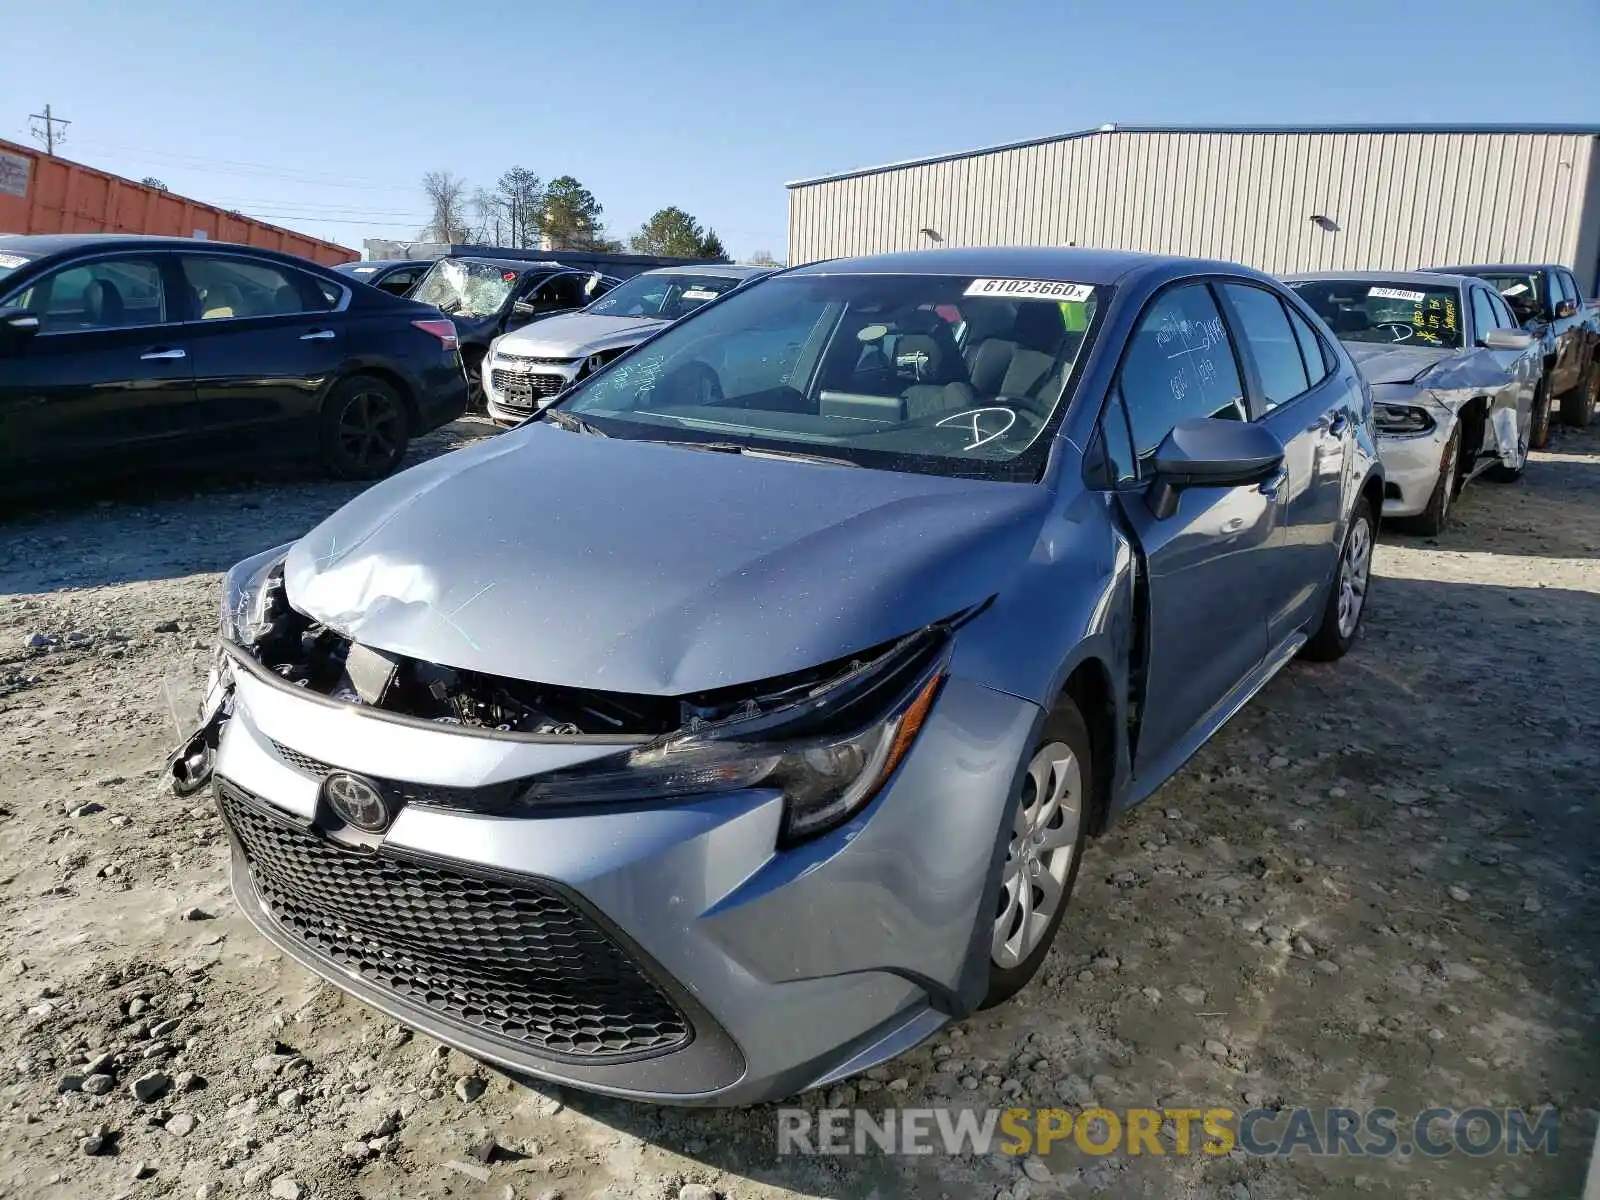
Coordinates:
(1411, 469)
(516, 388)
(672, 953)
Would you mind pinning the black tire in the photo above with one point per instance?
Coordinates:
(365, 428)
(1433, 519)
(1333, 640)
(1063, 727)
(472, 363)
(1577, 406)
(1539, 428)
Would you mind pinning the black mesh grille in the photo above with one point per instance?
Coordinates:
(520, 390)
(311, 766)
(518, 961)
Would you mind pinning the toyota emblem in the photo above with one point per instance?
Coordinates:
(357, 802)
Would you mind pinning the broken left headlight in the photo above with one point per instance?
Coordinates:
(252, 592)
(826, 777)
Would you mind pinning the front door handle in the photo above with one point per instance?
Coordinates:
(159, 355)
(318, 335)
(1271, 487)
(1337, 423)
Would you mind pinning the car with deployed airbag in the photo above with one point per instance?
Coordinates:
(741, 720)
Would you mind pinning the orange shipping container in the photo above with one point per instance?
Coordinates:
(41, 194)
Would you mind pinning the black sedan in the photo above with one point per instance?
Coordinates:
(486, 297)
(123, 353)
(397, 276)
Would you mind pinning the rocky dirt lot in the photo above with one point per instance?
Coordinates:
(1377, 886)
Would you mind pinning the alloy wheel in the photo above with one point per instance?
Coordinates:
(371, 429)
(1354, 570)
(1044, 837)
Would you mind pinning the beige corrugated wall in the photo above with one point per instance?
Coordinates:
(1400, 200)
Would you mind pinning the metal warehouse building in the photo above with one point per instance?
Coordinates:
(1278, 198)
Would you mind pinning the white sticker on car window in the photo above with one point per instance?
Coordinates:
(699, 294)
(1384, 293)
(1516, 289)
(365, 270)
(11, 260)
(1030, 289)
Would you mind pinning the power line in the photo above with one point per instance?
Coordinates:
(47, 134)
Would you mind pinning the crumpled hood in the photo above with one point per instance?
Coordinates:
(577, 335)
(569, 559)
(1397, 363)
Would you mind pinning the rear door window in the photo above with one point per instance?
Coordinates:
(227, 288)
(1265, 328)
(1180, 363)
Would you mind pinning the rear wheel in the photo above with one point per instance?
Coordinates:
(1049, 825)
(1577, 406)
(1347, 597)
(365, 428)
(1433, 519)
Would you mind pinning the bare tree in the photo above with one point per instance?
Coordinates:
(447, 200)
(150, 181)
(763, 258)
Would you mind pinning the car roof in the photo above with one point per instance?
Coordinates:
(1077, 264)
(1419, 278)
(725, 270)
(54, 243)
(382, 264)
(510, 264)
(1476, 268)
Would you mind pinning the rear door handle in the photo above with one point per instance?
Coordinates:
(1337, 423)
(318, 335)
(159, 354)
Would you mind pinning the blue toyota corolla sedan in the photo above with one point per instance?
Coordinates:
(739, 721)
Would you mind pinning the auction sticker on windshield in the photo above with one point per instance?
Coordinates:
(1384, 293)
(699, 294)
(1029, 289)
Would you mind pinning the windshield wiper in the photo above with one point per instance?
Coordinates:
(757, 452)
(571, 423)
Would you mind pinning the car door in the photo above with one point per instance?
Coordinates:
(1287, 368)
(1208, 568)
(1569, 333)
(1507, 377)
(399, 280)
(107, 377)
(265, 340)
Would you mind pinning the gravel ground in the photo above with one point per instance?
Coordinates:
(1376, 886)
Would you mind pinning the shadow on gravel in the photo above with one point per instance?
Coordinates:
(172, 524)
(1489, 693)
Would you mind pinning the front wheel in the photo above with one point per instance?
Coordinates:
(1433, 519)
(1539, 427)
(472, 364)
(1049, 825)
(1347, 597)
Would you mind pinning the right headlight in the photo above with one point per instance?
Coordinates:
(251, 591)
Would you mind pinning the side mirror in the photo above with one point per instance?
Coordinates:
(1211, 452)
(1565, 309)
(1506, 339)
(17, 325)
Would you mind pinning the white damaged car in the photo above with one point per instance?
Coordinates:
(531, 366)
(1453, 380)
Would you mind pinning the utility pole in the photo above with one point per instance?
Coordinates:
(46, 132)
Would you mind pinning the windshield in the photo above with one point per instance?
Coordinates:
(1364, 310)
(458, 287)
(941, 374)
(1522, 290)
(10, 262)
(661, 297)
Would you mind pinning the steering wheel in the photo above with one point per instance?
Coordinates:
(1403, 332)
(694, 383)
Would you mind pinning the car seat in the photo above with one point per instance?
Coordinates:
(102, 305)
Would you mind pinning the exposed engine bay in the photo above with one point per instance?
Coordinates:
(309, 654)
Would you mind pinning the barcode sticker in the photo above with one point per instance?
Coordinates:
(1384, 293)
(1030, 289)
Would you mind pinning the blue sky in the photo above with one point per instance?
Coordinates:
(324, 117)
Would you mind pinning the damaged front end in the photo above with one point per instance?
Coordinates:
(828, 737)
